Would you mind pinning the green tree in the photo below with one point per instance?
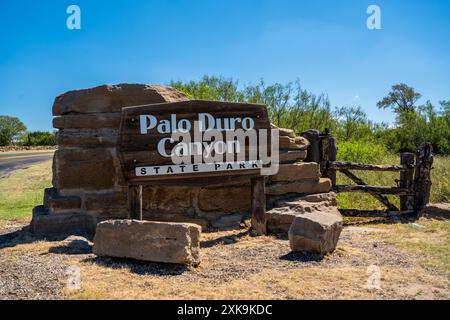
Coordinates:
(402, 98)
(39, 138)
(10, 129)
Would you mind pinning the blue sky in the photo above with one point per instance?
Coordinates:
(325, 44)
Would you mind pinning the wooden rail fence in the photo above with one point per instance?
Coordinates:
(414, 182)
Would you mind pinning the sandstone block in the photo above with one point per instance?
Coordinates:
(87, 138)
(298, 143)
(297, 171)
(168, 198)
(318, 199)
(225, 199)
(47, 224)
(112, 98)
(85, 169)
(279, 219)
(315, 232)
(292, 156)
(323, 185)
(149, 241)
(88, 121)
(111, 202)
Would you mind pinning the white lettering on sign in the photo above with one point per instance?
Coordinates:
(196, 168)
(206, 123)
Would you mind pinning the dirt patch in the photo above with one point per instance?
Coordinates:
(234, 266)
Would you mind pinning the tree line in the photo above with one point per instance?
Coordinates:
(14, 132)
(291, 106)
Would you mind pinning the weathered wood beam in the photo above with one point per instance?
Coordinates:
(383, 199)
(135, 202)
(338, 165)
(259, 219)
(328, 154)
(373, 213)
(373, 189)
(422, 177)
(407, 181)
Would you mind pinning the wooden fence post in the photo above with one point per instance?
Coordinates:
(135, 202)
(259, 220)
(407, 181)
(422, 177)
(313, 152)
(328, 153)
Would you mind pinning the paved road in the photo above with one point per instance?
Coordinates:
(18, 160)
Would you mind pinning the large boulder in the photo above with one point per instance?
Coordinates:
(315, 232)
(149, 241)
(281, 216)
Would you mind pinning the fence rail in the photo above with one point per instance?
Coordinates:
(414, 184)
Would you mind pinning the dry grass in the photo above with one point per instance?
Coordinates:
(429, 238)
(242, 267)
(237, 266)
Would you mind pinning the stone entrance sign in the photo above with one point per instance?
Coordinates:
(89, 185)
(194, 142)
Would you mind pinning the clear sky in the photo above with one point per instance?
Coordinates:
(325, 44)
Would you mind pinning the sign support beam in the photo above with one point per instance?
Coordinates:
(259, 220)
(135, 202)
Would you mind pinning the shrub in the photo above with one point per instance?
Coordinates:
(39, 138)
(362, 151)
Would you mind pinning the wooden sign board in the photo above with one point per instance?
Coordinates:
(145, 144)
(150, 154)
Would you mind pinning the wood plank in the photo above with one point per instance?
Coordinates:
(373, 189)
(135, 202)
(338, 165)
(422, 177)
(373, 213)
(407, 181)
(259, 220)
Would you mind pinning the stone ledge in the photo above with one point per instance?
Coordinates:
(88, 121)
(57, 203)
(323, 185)
(297, 171)
(89, 138)
(44, 223)
(279, 218)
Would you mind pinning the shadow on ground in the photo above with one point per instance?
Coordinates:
(139, 267)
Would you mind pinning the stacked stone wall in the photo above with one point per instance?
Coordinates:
(88, 186)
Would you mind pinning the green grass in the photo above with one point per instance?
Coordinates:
(430, 238)
(23, 190)
(440, 190)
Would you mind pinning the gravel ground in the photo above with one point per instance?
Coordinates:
(32, 268)
(27, 274)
